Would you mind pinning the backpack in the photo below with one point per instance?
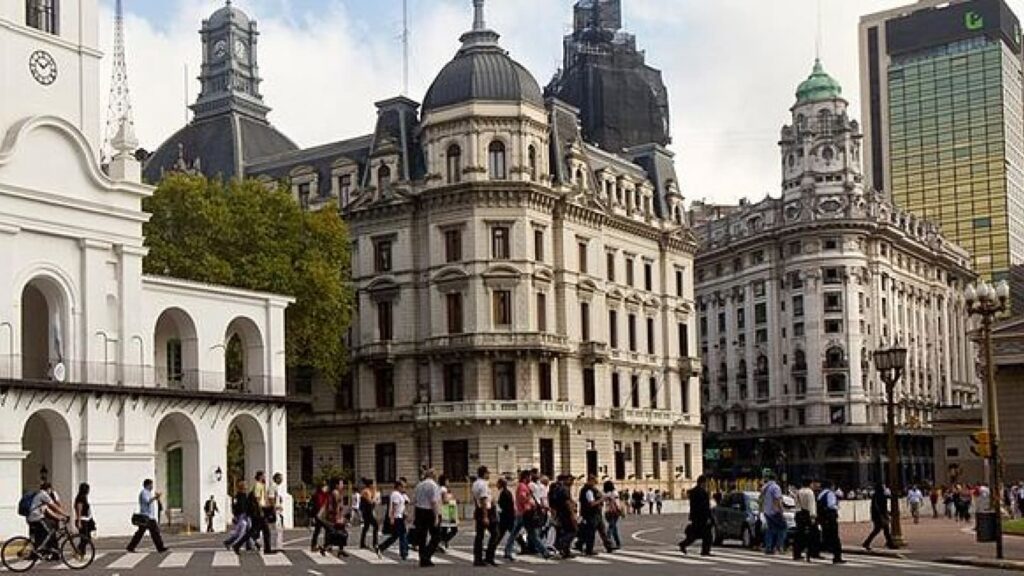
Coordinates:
(25, 504)
(822, 511)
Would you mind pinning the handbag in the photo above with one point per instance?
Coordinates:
(139, 520)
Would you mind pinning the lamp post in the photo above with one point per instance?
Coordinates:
(425, 399)
(890, 363)
(987, 302)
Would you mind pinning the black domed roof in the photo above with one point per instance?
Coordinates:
(226, 14)
(482, 70)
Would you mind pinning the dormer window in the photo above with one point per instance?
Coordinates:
(383, 177)
(345, 188)
(42, 15)
(454, 164)
(496, 160)
(531, 159)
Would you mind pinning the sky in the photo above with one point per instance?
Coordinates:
(731, 66)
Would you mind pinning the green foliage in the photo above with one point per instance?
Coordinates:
(246, 235)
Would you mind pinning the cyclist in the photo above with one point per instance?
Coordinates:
(43, 518)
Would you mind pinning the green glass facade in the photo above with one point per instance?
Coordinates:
(950, 146)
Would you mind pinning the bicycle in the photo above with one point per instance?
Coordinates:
(74, 550)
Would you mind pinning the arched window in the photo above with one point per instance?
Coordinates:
(42, 15)
(579, 177)
(454, 161)
(383, 177)
(496, 160)
(834, 357)
(531, 158)
(799, 361)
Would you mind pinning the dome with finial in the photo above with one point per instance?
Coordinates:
(818, 86)
(228, 14)
(482, 70)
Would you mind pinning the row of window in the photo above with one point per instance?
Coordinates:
(497, 162)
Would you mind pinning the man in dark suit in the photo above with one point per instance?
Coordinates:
(700, 518)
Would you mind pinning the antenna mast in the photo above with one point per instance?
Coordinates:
(405, 47)
(119, 104)
(817, 35)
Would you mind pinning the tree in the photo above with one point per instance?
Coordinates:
(247, 235)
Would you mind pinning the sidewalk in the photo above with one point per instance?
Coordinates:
(939, 540)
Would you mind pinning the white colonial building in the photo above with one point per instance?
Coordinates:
(795, 293)
(109, 376)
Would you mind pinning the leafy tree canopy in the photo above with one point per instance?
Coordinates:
(246, 235)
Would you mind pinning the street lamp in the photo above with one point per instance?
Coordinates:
(987, 302)
(425, 399)
(890, 363)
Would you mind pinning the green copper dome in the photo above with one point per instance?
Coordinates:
(819, 86)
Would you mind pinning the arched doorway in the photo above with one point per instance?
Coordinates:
(47, 442)
(246, 450)
(244, 357)
(176, 351)
(177, 469)
(43, 326)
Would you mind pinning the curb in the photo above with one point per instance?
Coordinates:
(983, 563)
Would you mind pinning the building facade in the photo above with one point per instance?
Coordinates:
(941, 94)
(524, 298)
(107, 375)
(794, 294)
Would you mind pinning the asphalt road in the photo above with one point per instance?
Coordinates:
(649, 549)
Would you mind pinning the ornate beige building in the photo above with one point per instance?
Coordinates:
(796, 292)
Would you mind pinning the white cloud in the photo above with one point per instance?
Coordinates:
(731, 67)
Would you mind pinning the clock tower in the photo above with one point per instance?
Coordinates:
(230, 77)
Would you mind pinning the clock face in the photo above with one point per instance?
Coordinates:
(220, 49)
(240, 50)
(43, 67)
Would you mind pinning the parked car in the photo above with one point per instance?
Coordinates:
(739, 517)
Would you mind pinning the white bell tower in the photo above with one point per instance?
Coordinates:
(49, 63)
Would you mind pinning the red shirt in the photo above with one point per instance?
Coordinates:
(524, 498)
(320, 498)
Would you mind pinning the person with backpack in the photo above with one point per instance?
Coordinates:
(566, 527)
(398, 502)
(210, 510)
(612, 513)
(591, 505)
(43, 512)
(147, 518)
(828, 519)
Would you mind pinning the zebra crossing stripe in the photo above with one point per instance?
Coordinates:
(872, 561)
(458, 555)
(176, 560)
(324, 560)
(128, 561)
(630, 559)
(369, 557)
(588, 560)
(224, 559)
(673, 557)
(63, 566)
(278, 559)
(528, 559)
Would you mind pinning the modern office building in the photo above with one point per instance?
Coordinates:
(795, 292)
(941, 94)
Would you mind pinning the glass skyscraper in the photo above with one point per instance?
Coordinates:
(941, 97)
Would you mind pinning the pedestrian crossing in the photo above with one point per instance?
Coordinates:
(731, 560)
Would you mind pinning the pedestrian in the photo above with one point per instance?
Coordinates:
(275, 498)
(590, 512)
(147, 518)
(397, 503)
(486, 519)
(506, 512)
(828, 519)
(879, 518)
(317, 503)
(210, 510)
(775, 520)
(659, 500)
(241, 522)
(369, 499)
(449, 521)
(335, 519)
(638, 501)
(528, 518)
(566, 526)
(915, 499)
(934, 495)
(84, 522)
(612, 512)
(805, 540)
(260, 511)
(427, 500)
(699, 527)
(649, 498)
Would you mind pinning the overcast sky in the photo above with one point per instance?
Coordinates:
(731, 66)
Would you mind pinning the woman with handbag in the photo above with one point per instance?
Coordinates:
(83, 513)
(334, 517)
(612, 512)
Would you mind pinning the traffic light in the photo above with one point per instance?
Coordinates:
(981, 444)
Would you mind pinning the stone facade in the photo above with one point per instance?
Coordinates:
(109, 376)
(794, 294)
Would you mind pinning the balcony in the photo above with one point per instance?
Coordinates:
(536, 341)
(689, 367)
(645, 417)
(496, 410)
(376, 352)
(596, 352)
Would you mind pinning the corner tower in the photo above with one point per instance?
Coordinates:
(230, 75)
